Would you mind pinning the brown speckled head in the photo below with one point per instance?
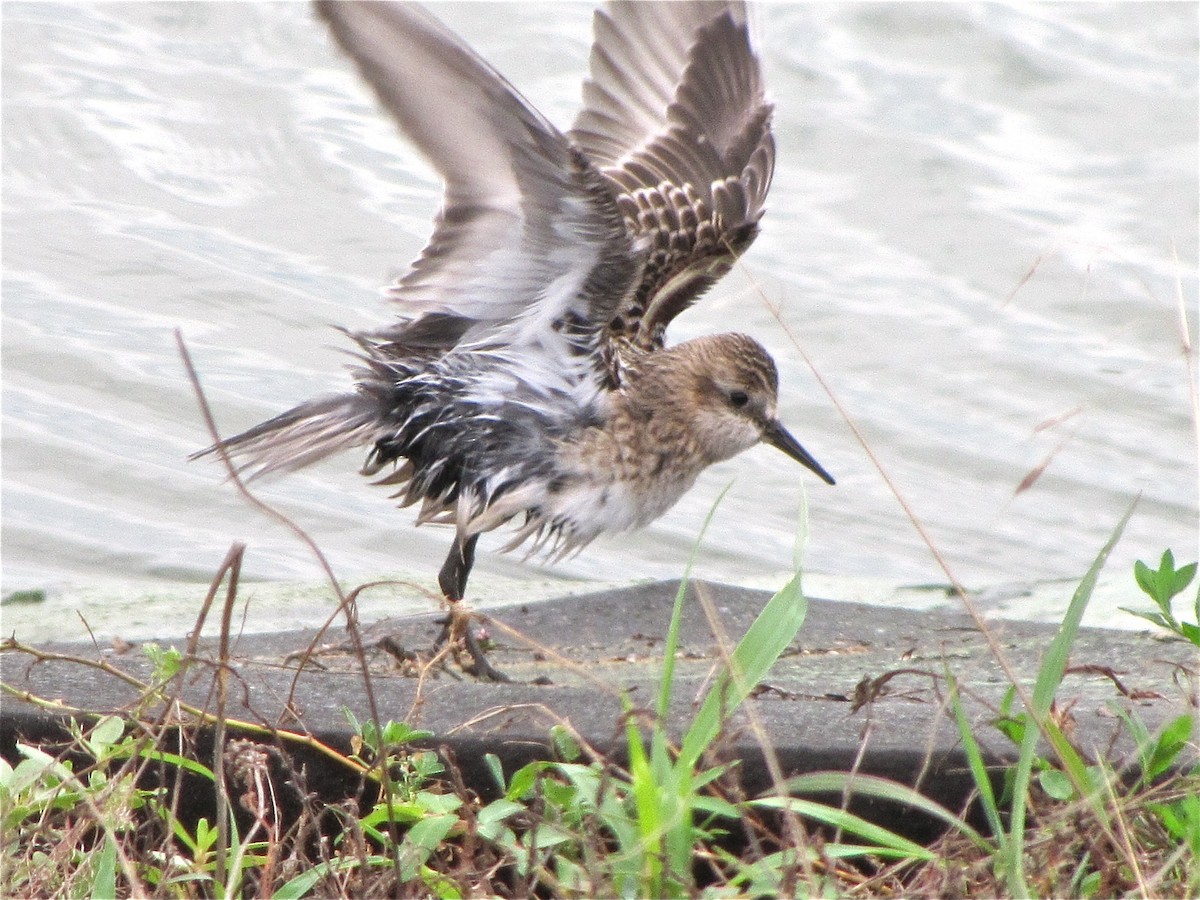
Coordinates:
(721, 391)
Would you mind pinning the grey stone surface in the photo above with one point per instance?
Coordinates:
(595, 647)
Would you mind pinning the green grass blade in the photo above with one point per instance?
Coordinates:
(881, 789)
(645, 798)
(773, 630)
(1049, 676)
(300, 885)
(882, 840)
(671, 644)
(979, 773)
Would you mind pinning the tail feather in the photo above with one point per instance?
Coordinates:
(303, 435)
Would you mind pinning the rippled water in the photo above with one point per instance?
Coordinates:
(981, 222)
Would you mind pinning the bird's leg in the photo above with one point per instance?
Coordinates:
(452, 579)
(457, 567)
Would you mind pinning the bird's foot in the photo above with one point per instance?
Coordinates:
(457, 635)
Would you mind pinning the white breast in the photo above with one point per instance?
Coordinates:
(583, 506)
(593, 506)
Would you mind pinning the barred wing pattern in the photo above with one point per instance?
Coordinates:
(676, 118)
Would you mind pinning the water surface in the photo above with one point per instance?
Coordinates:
(982, 221)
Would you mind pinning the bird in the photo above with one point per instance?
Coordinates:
(526, 379)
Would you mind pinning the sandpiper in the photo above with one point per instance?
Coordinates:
(526, 377)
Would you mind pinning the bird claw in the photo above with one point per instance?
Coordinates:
(456, 632)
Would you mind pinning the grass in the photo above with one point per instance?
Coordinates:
(100, 815)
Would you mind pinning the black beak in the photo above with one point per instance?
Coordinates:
(781, 439)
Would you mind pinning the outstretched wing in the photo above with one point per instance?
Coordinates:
(675, 117)
(529, 251)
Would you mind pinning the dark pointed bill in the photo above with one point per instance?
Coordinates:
(781, 439)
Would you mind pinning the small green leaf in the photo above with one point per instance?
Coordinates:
(369, 734)
(1183, 578)
(424, 765)
(438, 803)
(403, 733)
(429, 833)
(975, 761)
(104, 879)
(1013, 727)
(1166, 747)
(716, 806)
(1156, 618)
(1007, 701)
(1145, 578)
(166, 662)
(1056, 784)
(523, 780)
(1089, 885)
(1181, 819)
(1164, 583)
(104, 734)
(565, 744)
(490, 819)
(1162, 586)
(492, 761)
(206, 835)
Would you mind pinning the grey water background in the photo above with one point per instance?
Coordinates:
(982, 230)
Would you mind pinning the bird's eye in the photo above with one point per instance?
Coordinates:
(738, 399)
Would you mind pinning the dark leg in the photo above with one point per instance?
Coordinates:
(452, 579)
(457, 568)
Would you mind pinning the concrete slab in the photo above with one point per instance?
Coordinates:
(595, 647)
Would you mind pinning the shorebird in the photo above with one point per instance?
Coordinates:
(527, 377)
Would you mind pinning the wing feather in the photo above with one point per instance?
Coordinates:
(528, 234)
(676, 118)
